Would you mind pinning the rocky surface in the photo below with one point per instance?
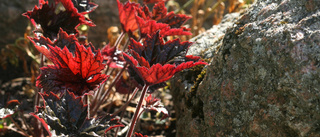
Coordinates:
(263, 80)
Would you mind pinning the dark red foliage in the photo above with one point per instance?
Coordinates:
(79, 72)
(112, 56)
(153, 1)
(84, 6)
(154, 50)
(154, 104)
(63, 40)
(125, 86)
(156, 62)
(174, 20)
(127, 15)
(43, 123)
(55, 16)
(159, 14)
(67, 115)
(151, 26)
(151, 100)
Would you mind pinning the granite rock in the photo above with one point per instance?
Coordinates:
(263, 80)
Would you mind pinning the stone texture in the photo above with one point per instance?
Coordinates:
(263, 79)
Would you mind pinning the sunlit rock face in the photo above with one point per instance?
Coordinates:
(263, 78)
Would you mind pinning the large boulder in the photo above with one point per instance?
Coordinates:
(264, 78)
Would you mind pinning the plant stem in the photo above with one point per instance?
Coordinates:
(121, 116)
(119, 39)
(184, 6)
(127, 103)
(104, 95)
(37, 98)
(136, 113)
(15, 123)
(126, 45)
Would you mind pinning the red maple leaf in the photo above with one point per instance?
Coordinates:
(127, 13)
(156, 62)
(55, 16)
(151, 26)
(79, 72)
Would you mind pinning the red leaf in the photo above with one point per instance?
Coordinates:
(154, 104)
(152, 1)
(125, 86)
(159, 14)
(159, 11)
(52, 18)
(79, 72)
(174, 20)
(156, 61)
(154, 50)
(151, 26)
(144, 12)
(44, 124)
(127, 13)
(63, 40)
(151, 100)
(112, 56)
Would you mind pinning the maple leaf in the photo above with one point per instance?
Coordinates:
(156, 62)
(151, 26)
(67, 116)
(112, 56)
(55, 16)
(84, 6)
(127, 13)
(79, 72)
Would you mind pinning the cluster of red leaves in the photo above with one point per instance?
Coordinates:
(152, 60)
(78, 71)
(156, 62)
(112, 56)
(60, 14)
(133, 16)
(77, 66)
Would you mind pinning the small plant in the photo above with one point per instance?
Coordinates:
(74, 84)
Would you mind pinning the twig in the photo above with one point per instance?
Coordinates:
(15, 123)
(136, 113)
